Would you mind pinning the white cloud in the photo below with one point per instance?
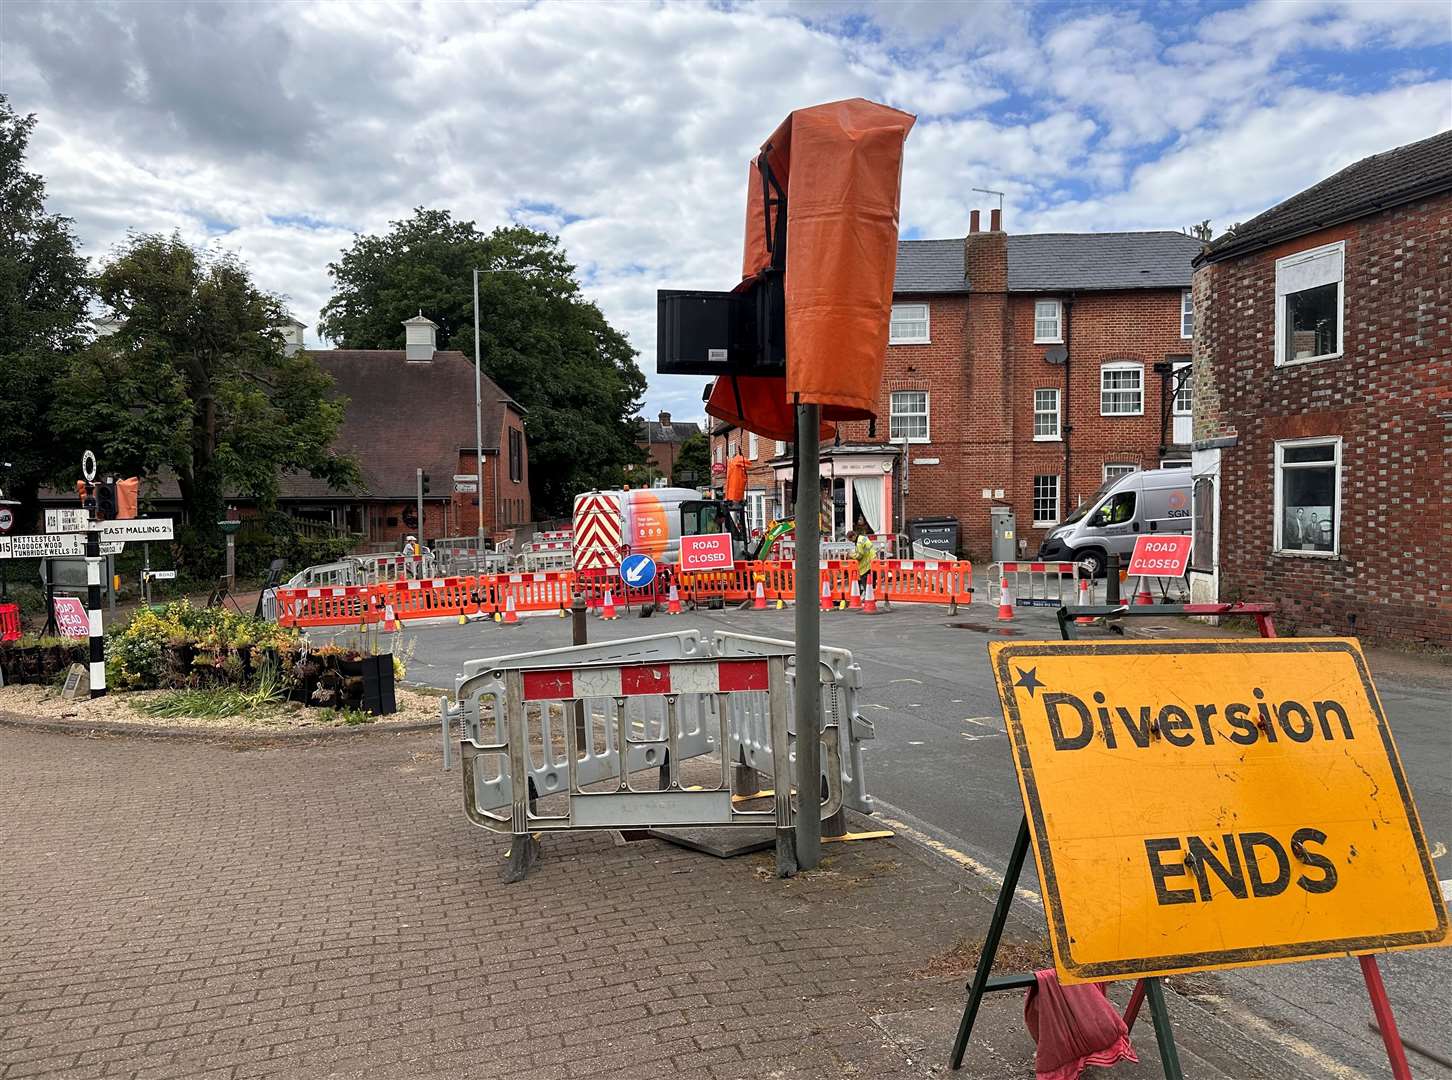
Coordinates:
(280, 129)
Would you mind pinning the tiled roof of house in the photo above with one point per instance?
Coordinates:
(1046, 262)
(402, 416)
(1371, 184)
(930, 266)
(653, 431)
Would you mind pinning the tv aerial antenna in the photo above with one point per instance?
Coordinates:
(990, 191)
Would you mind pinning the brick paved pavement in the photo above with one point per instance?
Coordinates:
(173, 909)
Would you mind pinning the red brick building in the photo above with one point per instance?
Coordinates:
(413, 408)
(1323, 403)
(1022, 371)
(661, 440)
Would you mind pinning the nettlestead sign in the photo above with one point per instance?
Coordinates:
(1208, 804)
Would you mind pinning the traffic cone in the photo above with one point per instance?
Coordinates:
(826, 595)
(1086, 597)
(511, 615)
(607, 609)
(673, 601)
(1005, 601)
(869, 601)
(390, 620)
(855, 600)
(759, 603)
(1143, 596)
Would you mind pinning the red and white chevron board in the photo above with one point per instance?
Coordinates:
(635, 680)
(598, 531)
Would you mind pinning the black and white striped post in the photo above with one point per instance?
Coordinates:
(94, 563)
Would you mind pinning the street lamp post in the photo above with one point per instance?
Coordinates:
(478, 432)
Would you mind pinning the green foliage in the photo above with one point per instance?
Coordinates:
(43, 297)
(218, 701)
(196, 381)
(693, 462)
(136, 654)
(546, 345)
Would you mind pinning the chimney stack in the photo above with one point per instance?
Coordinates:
(973, 221)
(419, 341)
(665, 419)
(995, 220)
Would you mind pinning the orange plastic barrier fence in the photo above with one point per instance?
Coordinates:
(9, 622)
(905, 580)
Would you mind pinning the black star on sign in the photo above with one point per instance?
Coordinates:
(1028, 680)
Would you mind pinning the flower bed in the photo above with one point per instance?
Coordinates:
(39, 660)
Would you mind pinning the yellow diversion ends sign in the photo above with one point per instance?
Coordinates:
(1210, 804)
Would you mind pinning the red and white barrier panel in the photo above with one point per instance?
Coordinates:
(635, 680)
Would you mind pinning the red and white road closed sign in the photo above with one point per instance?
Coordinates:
(1160, 556)
(71, 620)
(711, 552)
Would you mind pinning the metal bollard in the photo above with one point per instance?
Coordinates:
(1111, 580)
(580, 626)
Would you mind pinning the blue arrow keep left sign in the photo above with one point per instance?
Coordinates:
(637, 571)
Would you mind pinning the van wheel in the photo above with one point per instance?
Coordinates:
(1093, 561)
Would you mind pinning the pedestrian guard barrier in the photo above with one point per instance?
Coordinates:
(899, 580)
(9, 622)
(559, 718)
(1043, 584)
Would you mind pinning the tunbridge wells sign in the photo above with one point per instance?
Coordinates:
(1211, 804)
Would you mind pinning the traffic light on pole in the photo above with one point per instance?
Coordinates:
(424, 484)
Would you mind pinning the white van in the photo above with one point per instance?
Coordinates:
(1152, 501)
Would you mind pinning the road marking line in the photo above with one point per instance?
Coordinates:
(981, 721)
(918, 681)
(914, 743)
(1328, 1066)
(869, 705)
(1447, 889)
(967, 862)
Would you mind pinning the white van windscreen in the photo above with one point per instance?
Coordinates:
(1092, 501)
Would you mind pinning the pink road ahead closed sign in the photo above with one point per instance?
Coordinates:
(71, 619)
(1160, 556)
(711, 552)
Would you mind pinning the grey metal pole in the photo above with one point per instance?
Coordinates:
(478, 431)
(418, 494)
(808, 626)
(580, 635)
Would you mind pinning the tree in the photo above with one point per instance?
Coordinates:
(196, 381)
(43, 298)
(693, 463)
(544, 344)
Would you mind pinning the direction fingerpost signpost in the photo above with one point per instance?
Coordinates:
(1264, 815)
(72, 532)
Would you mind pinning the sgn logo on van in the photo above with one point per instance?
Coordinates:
(1179, 504)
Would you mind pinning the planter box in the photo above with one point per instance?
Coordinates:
(377, 675)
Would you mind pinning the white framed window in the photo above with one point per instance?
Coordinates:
(908, 418)
(909, 325)
(1121, 389)
(752, 445)
(1048, 322)
(1187, 314)
(756, 509)
(1113, 470)
(780, 447)
(1046, 415)
(1308, 497)
(720, 452)
(1046, 500)
(1310, 304)
(1175, 463)
(1183, 402)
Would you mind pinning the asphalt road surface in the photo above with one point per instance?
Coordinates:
(940, 766)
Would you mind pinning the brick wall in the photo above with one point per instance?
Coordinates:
(1389, 398)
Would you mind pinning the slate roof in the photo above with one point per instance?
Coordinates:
(653, 431)
(1049, 262)
(1374, 183)
(930, 266)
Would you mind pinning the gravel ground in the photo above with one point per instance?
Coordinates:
(45, 703)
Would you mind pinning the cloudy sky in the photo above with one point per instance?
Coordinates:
(281, 129)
